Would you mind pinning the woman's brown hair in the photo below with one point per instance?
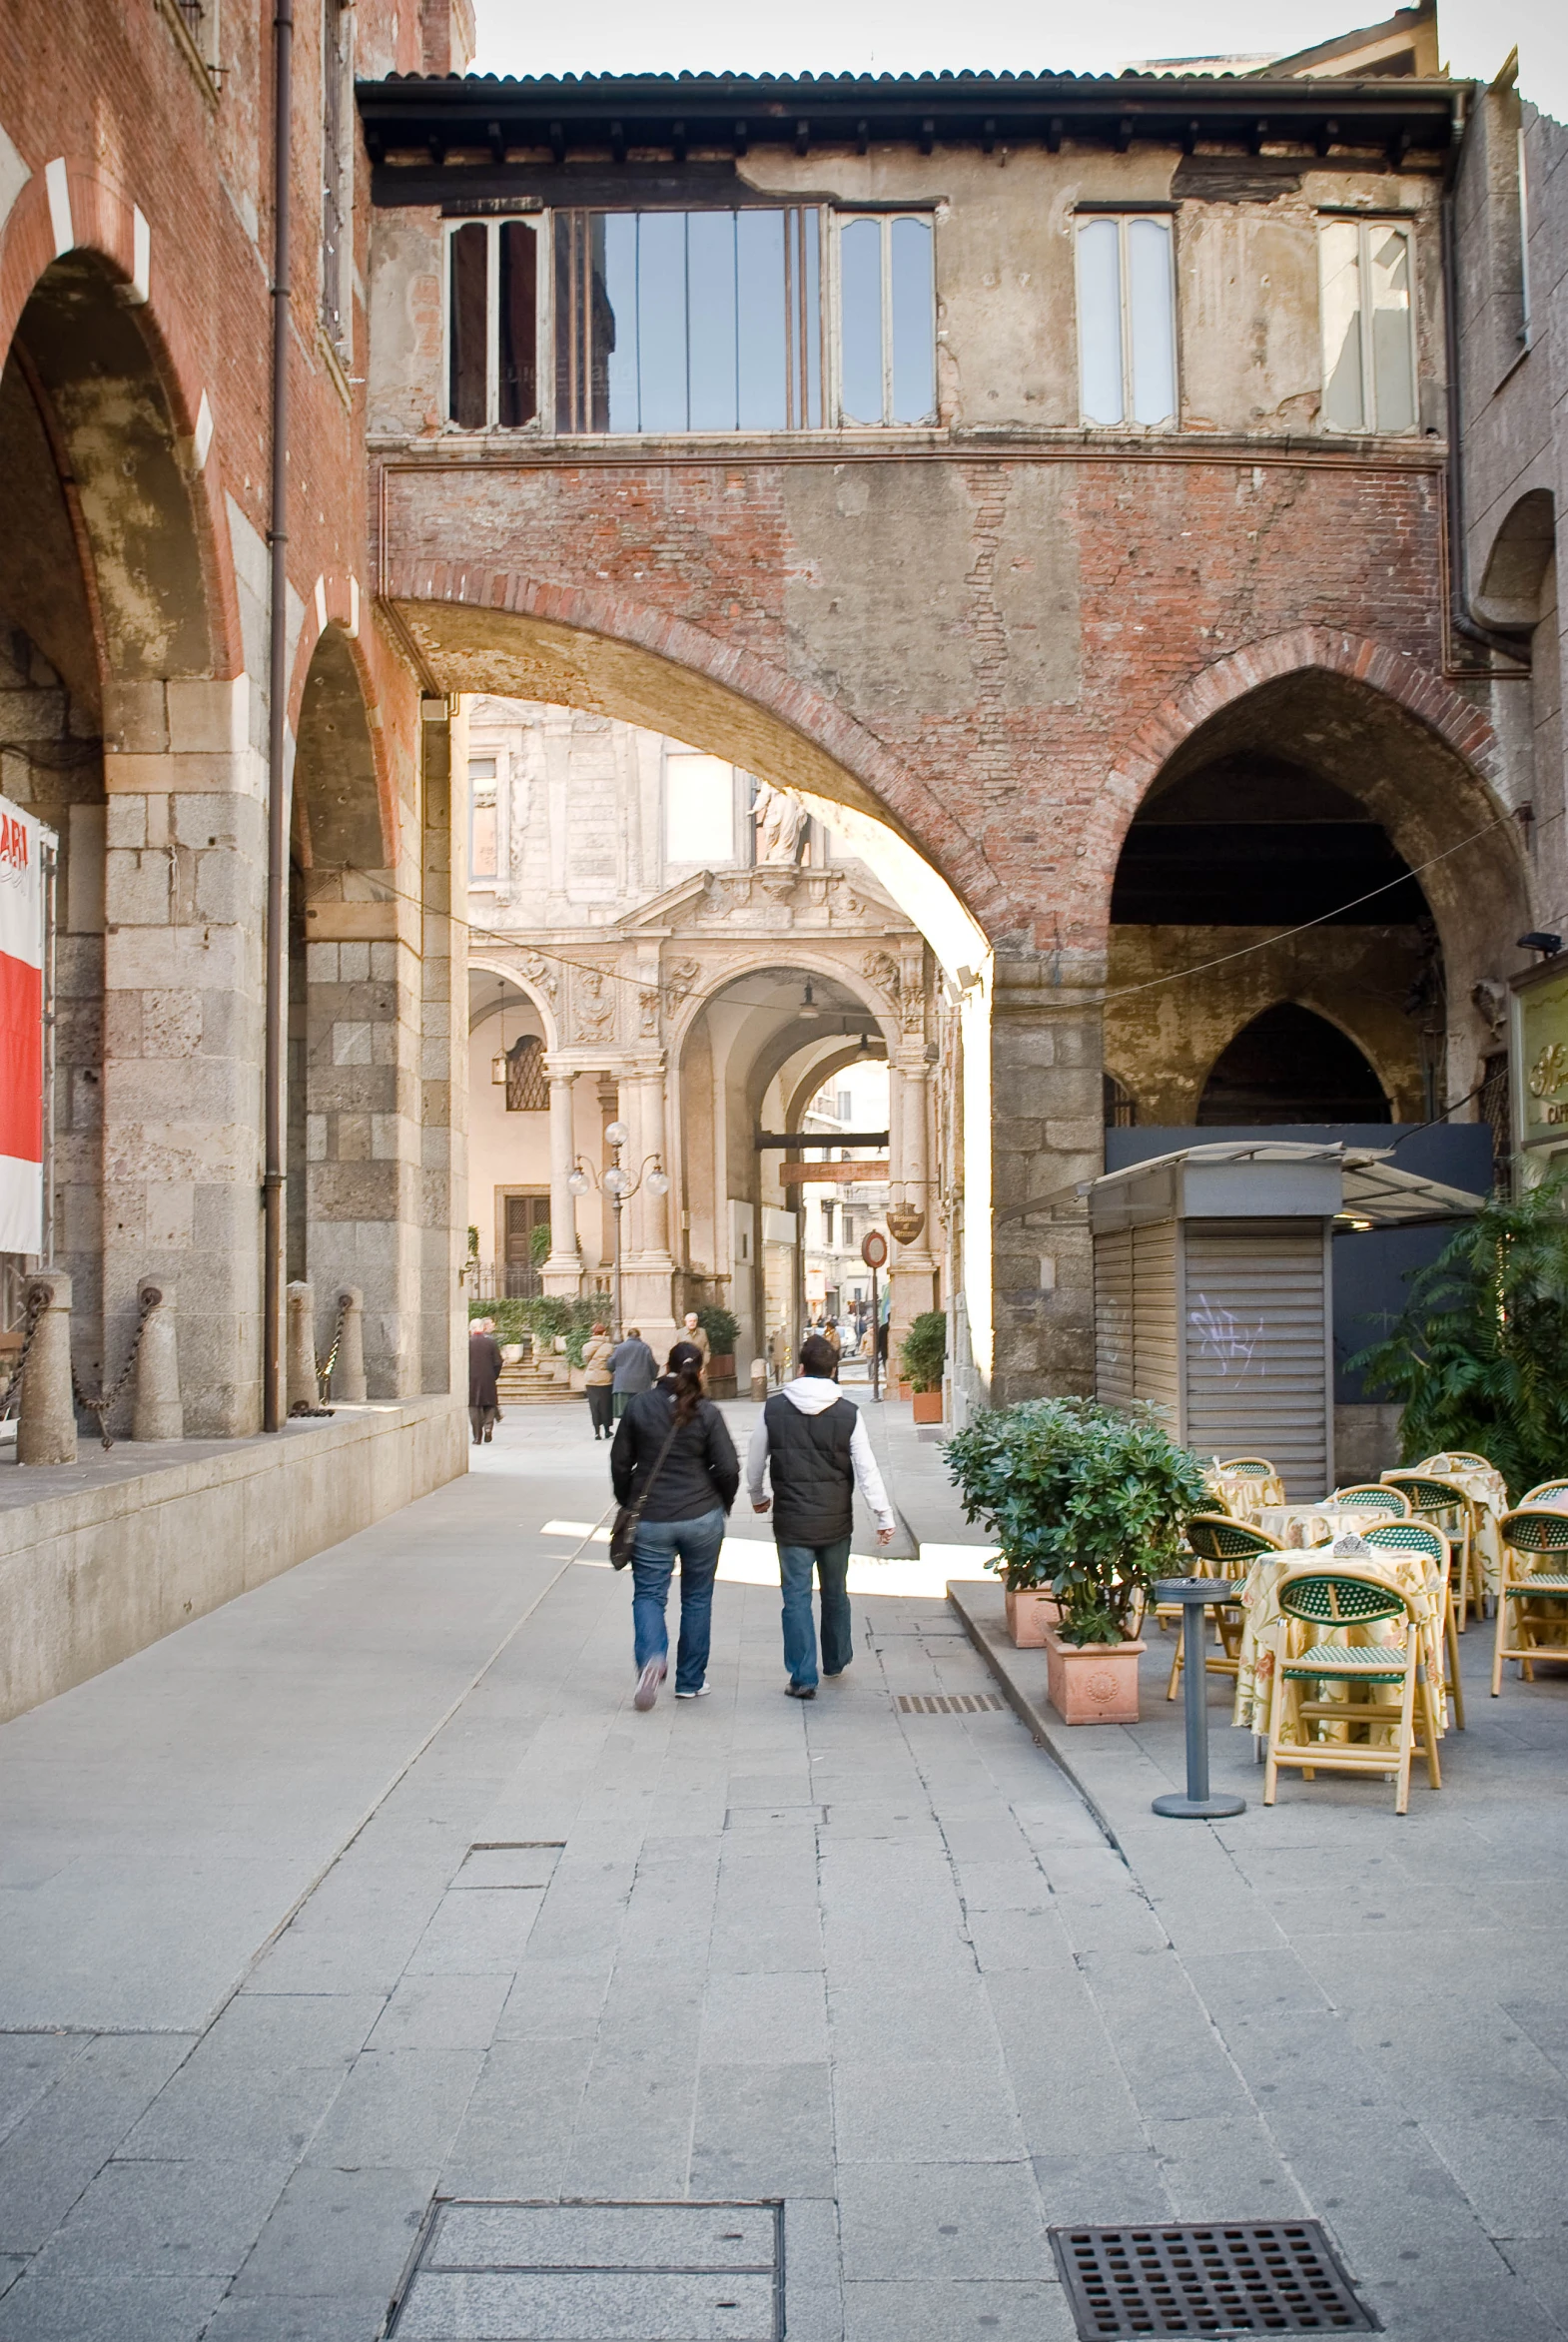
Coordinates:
(685, 1364)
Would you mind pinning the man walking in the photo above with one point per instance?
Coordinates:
(484, 1364)
(633, 1369)
(813, 1444)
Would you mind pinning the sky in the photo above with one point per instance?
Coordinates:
(911, 36)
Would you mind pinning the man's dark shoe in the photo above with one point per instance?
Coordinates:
(800, 1690)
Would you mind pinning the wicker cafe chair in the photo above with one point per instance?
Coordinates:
(1544, 1492)
(1249, 1467)
(1465, 1459)
(1221, 1548)
(1372, 1496)
(1525, 1535)
(1444, 1504)
(1340, 1599)
(1421, 1537)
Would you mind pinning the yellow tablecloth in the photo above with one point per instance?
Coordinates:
(1305, 1525)
(1243, 1494)
(1488, 1490)
(1267, 1629)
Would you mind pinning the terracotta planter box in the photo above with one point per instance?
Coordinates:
(905, 1389)
(928, 1406)
(1092, 1683)
(1029, 1614)
(721, 1366)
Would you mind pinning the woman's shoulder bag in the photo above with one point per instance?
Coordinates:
(624, 1534)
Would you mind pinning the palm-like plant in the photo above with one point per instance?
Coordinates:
(1479, 1355)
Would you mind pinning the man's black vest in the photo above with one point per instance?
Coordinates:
(813, 1479)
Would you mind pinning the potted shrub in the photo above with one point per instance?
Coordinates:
(921, 1355)
(723, 1332)
(1088, 1504)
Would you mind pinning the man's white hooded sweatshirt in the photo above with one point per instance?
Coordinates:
(813, 1395)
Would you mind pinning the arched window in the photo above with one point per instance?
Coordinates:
(1120, 1107)
(1291, 1066)
(528, 1089)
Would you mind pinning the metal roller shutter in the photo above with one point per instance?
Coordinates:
(1255, 1306)
(1136, 1347)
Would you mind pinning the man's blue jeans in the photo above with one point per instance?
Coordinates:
(831, 1564)
(652, 1565)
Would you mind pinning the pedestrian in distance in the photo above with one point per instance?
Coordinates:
(597, 1352)
(485, 1366)
(692, 1331)
(812, 1443)
(632, 1369)
(673, 1455)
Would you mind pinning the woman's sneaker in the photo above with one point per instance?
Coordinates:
(700, 1693)
(648, 1682)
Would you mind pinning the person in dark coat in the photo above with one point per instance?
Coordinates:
(484, 1364)
(687, 1498)
(633, 1369)
(813, 1443)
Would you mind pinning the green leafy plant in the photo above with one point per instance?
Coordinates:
(1086, 1502)
(539, 1243)
(473, 1243)
(1479, 1355)
(924, 1350)
(721, 1328)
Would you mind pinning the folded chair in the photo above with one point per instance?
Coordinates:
(1328, 1600)
(1444, 1504)
(1372, 1496)
(1526, 1536)
(1221, 1548)
(1421, 1537)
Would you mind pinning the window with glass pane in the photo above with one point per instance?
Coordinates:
(700, 808)
(1368, 327)
(484, 817)
(493, 292)
(1127, 320)
(669, 321)
(886, 319)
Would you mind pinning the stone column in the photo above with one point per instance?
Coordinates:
(564, 1268)
(650, 1267)
(1046, 1135)
(914, 1266)
(349, 1371)
(156, 1411)
(46, 1429)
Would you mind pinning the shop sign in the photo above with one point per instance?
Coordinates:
(1542, 1060)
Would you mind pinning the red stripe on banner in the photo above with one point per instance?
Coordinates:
(21, 1060)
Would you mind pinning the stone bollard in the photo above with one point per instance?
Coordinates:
(46, 1426)
(155, 1410)
(349, 1371)
(302, 1387)
(759, 1378)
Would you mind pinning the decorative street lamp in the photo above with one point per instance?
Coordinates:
(620, 1185)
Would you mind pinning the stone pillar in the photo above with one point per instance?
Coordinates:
(648, 1280)
(347, 1381)
(914, 1266)
(156, 1411)
(1046, 1135)
(299, 1349)
(443, 1053)
(46, 1429)
(564, 1270)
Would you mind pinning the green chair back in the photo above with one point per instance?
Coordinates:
(1543, 1491)
(1426, 1493)
(1408, 1537)
(1249, 1467)
(1215, 1537)
(1372, 1496)
(1340, 1601)
(1535, 1532)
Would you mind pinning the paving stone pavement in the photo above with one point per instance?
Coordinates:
(374, 1889)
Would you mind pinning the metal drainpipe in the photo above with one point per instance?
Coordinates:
(276, 995)
(1460, 616)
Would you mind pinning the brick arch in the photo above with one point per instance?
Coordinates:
(336, 608)
(103, 220)
(501, 632)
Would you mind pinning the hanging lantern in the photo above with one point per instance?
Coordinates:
(498, 1068)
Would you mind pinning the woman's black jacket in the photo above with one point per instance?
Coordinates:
(701, 1471)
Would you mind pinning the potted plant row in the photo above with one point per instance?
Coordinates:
(1088, 1504)
(921, 1355)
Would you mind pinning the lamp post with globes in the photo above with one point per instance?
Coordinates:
(620, 1185)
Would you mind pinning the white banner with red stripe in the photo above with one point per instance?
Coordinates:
(21, 1030)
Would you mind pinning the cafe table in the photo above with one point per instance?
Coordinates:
(1305, 1525)
(1246, 1494)
(1267, 1632)
(1488, 1491)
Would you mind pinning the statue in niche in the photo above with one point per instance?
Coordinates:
(780, 820)
(596, 1014)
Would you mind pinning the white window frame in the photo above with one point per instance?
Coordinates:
(1372, 424)
(741, 786)
(839, 220)
(503, 763)
(1123, 222)
(543, 352)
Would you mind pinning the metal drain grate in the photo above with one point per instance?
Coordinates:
(1235, 2277)
(952, 1703)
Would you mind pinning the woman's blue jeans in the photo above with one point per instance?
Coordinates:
(652, 1565)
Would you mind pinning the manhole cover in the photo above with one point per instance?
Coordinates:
(950, 1703)
(1240, 2277)
(534, 2272)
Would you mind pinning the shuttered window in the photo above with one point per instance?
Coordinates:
(1255, 1296)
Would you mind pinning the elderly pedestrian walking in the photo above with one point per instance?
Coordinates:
(673, 1455)
(632, 1369)
(597, 1352)
(692, 1331)
(812, 1443)
(484, 1364)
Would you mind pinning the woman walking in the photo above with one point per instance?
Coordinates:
(673, 1452)
(597, 1352)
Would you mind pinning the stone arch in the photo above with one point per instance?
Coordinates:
(1338, 1025)
(500, 632)
(494, 963)
(344, 817)
(1513, 579)
(798, 957)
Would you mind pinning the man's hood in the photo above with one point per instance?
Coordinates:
(812, 1393)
